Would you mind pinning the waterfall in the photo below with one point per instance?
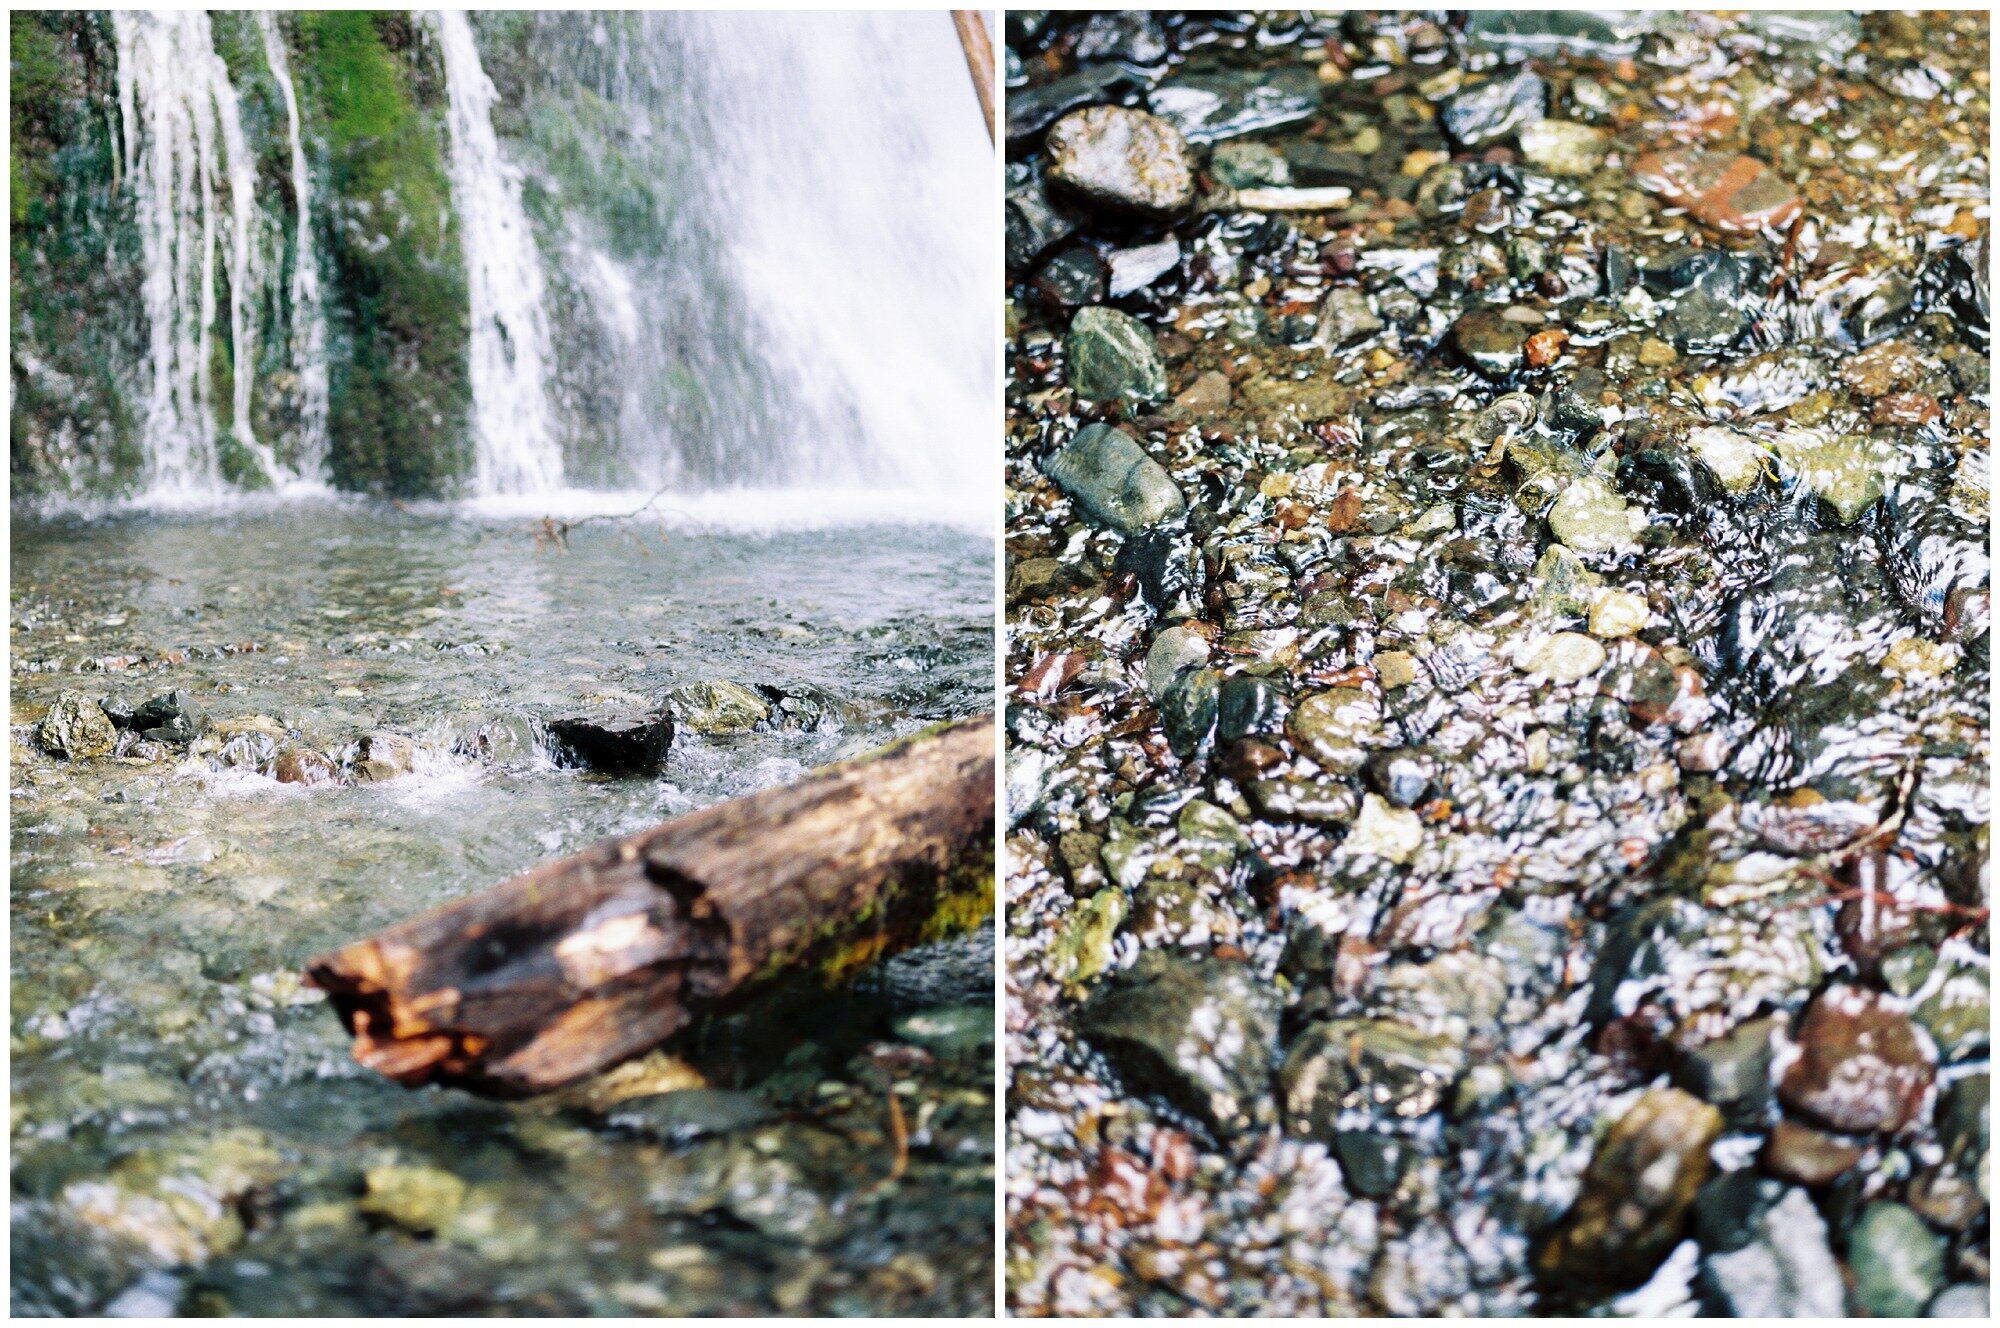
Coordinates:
(515, 447)
(308, 343)
(183, 143)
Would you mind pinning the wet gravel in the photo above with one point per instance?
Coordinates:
(1497, 664)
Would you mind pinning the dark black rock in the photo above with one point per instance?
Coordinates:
(1249, 705)
(1035, 224)
(1031, 110)
(1733, 1072)
(1495, 109)
(614, 746)
(169, 717)
(1489, 343)
(1168, 566)
(1073, 278)
(1188, 711)
(1372, 1163)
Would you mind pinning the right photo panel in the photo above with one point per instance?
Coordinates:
(1497, 671)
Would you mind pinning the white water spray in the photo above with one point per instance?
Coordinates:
(514, 437)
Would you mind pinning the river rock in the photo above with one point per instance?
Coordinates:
(1784, 1271)
(681, 1117)
(171, 717)
(1031, 110)
(1140, 266)
(1386, 832)
(1371, 1162)
(1189, 709)
(1200, 1032)
(1732, 1073)
(1808, 1157)
(1565, 657)
(1591, 517)
(1617, 613)
(1122, 159)
(958, 1033)
(1249, 165)
(1112, 355)
(717, 707)
(1967, 1300)
(1730, 193)
(1345, 318)
(1732, 456)
(1174, 649)
(1208, 107)
(1564, 147)
(1249, 705)
(416, 1198)
(1495, 109)
(1112, 479)
(1898, 1263)
(1131, 35)
(1491, 343)
(76, 728)
(1636, 1193)
(1374, 1066)
(303, 765)
(381, 756)
(1336, 727)
(614, 746)
(1863, 1066)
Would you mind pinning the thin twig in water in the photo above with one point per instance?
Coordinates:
(899, 1135)
(550, 532)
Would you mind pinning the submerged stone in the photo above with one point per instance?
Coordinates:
(1564, 147)
(1784, 1271)
(1495, 109)
(1727, 192)
(1112, 355)
(1209, 107)
(1112, 479)
(1592, 517)
(1862, 1065)
(1636, 1193)
(1371, 1066)
(171, 717)
(1732, 456)
(1898, 1264)
(1199, 1032)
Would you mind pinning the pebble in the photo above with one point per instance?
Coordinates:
(1636, 1192)
(1113, 355)
(1847, 472)
(1966, 1300)
(1914, 657)
(1592, 517)
(1373, 1066)
(1729, 193)
(1136, 268)
(1121, 159)
(1395, 668)
(1333, 727)
(1564, 147)
(1732, 456)
(171, 717)
(1209, 394)
(1808, 1157)
(1491, 343)
(76, 728)
(1345, 317)
(1385, 831)
(1732, 1073)
(383, 756)
(1198, 1031)
(1898, 1264)
(1863, 1066)
(1618, 613)
(1174, 649)
(1565, 657)
(1248, 165)
(1110, 476)
(1495, 109)
(1784, 1271)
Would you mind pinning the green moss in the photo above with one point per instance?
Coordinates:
(399, 385)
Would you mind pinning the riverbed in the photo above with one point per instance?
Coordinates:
(190, 1134)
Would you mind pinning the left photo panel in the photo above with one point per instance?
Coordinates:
(503, 529)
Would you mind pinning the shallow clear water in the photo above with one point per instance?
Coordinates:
(183, 1112)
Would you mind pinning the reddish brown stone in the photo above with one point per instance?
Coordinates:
(1910, 408)
(1862, 1066)
(1049, 674)
(1882, 369)
(1345, 514)
(1544, 346)
(302, 765)
(1728, 193)
(1804, 1156)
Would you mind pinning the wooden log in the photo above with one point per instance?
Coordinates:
(580, 963)
(971, 25)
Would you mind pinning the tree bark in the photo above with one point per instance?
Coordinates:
(585, 961)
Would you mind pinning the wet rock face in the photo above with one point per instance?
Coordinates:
(381, 756)
(77, 728)
(1637, 1192)
(1495, 109)
(1110, 476)
(714, 708)
(1121, 159)
(1863, 1066)
(1198, 1032)
(1208, 108)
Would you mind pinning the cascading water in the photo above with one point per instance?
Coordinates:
(700, 252)
(191, 174)
(515, 449)
(308, 317)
